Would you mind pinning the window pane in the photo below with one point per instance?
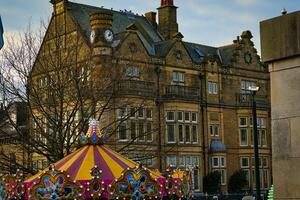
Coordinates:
(149, 113)
(194, 117)
(122, 131)
(215, 161)
(244, 162)
(171, 160)
(196, 179)
(171, 135)
(141, 131)
(187, 133)
(243, 137)
(180, 77)
(180, 116)
(243, 121)
(141, 113)
(170, 116)
(222, 162)
(194, 134)
(216, 130)
(182, 161)
(175, 76)
(133, 130)
(263, 138)
(180, 133)
(149, 131)
(187, 116)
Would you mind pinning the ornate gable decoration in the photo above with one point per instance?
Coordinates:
(11, 186)
(135, 183)
(55, 184)
(95, 186)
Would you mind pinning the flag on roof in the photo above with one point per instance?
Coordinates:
(1, 34)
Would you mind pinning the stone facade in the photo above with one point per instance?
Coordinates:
(280, 50)
(195, 99)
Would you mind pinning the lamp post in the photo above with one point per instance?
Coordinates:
(253, 90)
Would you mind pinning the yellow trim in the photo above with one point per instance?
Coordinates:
(114, 167)
(87, 164)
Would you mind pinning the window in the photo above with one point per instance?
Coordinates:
(149, 162)
(187, 134)
(263, 122)
(187, 116)
(189, 161)
(196, 179)
(132, 113)
(265, 162)
(245, 86)
(215, 162)
(243, 137)
(178, 78)
(243, 121)
(122, 132)
(181, 161)
(263, 138)
(180, 133)
(149, 131)
(121, 112)
(149, 113)
(180, 116)
(132, 73)
(195, 161)
(244, 162)
(214, 130)
(212, 88)
(194, 134)
(170, 116)
(265, 178)
(133, 130)
(194, 117)
(171, 133)
(141, 113)
(141, 131)
(247, 174)
(171, 160)
(223, 176)
(222, 162)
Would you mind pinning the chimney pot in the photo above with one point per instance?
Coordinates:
(151, 17)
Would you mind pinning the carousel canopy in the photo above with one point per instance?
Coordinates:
(93, 153)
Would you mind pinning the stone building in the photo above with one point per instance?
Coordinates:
(280, 50)
(196, 106)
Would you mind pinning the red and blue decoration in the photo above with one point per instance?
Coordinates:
(55, 185)
(96, 185)
(11, 186)
(93, 135)
(135, 183)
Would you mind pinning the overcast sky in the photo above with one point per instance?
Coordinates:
(210, 22)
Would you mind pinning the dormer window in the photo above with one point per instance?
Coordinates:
(178, 78)
(132, 72)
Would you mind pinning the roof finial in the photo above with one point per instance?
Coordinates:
(283, 11)
(93, 135)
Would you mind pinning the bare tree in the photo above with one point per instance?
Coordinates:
(51, 71)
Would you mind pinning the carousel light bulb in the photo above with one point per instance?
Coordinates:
(102, 182)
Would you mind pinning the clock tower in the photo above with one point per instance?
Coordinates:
(101, 35)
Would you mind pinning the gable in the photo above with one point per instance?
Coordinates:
(179, 56)
(132, 48)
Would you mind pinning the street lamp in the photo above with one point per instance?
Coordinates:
(253, 90)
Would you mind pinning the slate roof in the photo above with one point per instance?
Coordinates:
(150, 37)
(226, 53)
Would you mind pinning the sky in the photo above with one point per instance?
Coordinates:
(209, 22)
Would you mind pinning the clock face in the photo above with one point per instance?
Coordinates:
(248, 58)
(108, 35)
(93, 36)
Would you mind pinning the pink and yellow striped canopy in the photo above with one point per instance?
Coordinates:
(79, 163)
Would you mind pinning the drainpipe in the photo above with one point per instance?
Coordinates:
(159, 149)
(202, 104)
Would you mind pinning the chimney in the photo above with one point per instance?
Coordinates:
(151, 17)
(167, 19)
(59, 6)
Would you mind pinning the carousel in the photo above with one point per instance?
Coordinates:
(95, 171)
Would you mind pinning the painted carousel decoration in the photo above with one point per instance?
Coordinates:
(96, 187)
(55, 184)
(184, 186)
(92, 156)
(171, 184)
(11, 186)
(135, 183)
